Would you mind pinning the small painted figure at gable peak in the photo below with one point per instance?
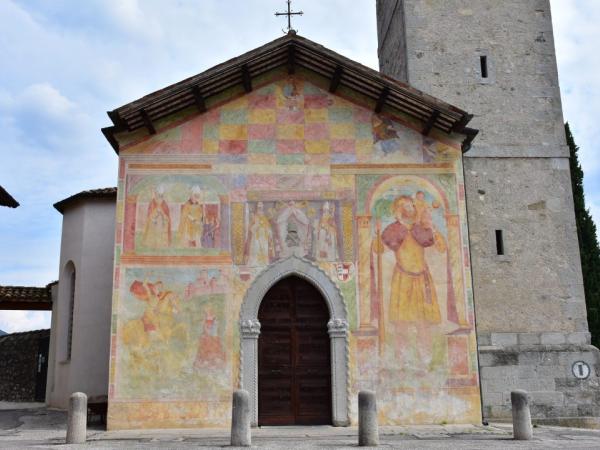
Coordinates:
(191, 220)
(157, 230)
(326, 235)
(260, 247)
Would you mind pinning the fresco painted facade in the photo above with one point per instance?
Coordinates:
(291, 170)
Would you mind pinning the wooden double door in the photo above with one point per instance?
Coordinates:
(294, 360)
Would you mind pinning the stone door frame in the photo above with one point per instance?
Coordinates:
(337, 328)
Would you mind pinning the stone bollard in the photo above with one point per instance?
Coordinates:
(522, 429)
(240, 419)
(77, 418)
(368, 431)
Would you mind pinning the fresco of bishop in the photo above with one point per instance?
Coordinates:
(326, 235)
(260, 249)
(157, 230)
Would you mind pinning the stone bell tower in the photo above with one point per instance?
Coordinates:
(496, 59)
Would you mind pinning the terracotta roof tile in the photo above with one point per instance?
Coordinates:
(107, 192)
(25, 298)
(24, 294)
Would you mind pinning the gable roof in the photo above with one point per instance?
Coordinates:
(288, 51)
(6, 199)
(109, 192)
(25, 298)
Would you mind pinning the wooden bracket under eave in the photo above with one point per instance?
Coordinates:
(382, 99)
(335, 79)
(246, 79)
(147, 122)
(291, 63)
(430, 122)
(199, 99)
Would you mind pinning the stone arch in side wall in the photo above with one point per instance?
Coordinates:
(66, 308)
(337, 328)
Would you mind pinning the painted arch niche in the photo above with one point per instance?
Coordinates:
(337, 328)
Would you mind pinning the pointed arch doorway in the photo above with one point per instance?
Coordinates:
(294, 359)
(337, 328)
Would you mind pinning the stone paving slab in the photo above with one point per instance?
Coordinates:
(45, 429)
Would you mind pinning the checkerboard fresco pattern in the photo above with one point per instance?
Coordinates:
(288, 122)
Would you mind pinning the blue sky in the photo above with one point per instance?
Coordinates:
(67, 62)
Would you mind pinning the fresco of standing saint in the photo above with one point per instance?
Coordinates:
(259, 244)
(326, 235)
(191, 219)
(157, 231)
(412, 293)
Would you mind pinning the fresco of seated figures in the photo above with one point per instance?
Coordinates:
(176, 215)
(279, 229)
(173, 342)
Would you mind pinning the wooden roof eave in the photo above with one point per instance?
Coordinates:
(290, 50)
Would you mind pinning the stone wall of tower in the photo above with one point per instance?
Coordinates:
(530, 301)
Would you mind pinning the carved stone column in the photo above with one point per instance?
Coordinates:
(250, 330)
(338, 334)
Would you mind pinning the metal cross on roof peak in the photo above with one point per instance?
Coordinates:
(289, 15)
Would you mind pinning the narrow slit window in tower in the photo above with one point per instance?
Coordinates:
(484, 66)
(499, 243)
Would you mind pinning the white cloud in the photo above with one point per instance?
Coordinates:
(13, 321)
(46, 98)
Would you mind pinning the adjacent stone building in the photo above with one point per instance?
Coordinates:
(24, 366)
(496, 59)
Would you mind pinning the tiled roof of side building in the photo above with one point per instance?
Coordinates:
(108, 192)
(25, 297)
(6, 199)
(19, 336)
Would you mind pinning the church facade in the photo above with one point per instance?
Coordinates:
(295, 224)
(299, 238)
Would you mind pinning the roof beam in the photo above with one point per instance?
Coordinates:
(117, 120)
(199, 99)
(291, 62)
(430, 122)
(147, 122)
(462, 122)
(335, 79)
(470, 133)
(246, 79)
(381, 100)
(26, 306)
(108, 133)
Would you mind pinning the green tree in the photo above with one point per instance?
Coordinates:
(588, 242)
